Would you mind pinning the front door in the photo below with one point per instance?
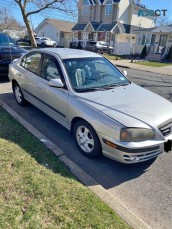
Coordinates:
(162, 43)
(51, 100)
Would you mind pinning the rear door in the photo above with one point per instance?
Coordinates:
(28, 71)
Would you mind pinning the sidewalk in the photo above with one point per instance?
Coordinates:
(167, 70)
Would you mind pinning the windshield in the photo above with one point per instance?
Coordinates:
(93, 73)
(6, 40)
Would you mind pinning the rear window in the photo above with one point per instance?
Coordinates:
(93, 42)
(102, 43)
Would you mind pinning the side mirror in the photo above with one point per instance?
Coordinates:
(56, 83)
(124, 72)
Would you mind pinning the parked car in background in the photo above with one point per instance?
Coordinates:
(9, 50)
(80, 44)
(88, 95)
(99, 46)
(45, 41)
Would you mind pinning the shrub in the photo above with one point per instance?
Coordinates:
(169, 55)
(144, 52)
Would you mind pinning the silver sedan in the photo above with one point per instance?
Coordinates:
(105, 112)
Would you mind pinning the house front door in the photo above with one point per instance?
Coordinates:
(162, 43)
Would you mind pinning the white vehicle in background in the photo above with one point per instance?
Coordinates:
(45, 41)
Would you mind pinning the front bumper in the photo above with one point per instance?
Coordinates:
(133, 153)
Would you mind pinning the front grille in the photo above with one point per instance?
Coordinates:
(9, 57)
(166, 129)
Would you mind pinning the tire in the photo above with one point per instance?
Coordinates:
(54, 45)
(110, 52)
(42, 45)
(99, 51)
(87, 139)
(19, 95)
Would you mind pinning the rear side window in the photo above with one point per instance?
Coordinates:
(93, 42)
(31, 62)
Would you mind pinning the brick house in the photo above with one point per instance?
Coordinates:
(112, 21)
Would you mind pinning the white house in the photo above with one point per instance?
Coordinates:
(158, 41)
(57, 30)
(113, 21)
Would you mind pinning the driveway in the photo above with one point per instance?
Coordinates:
(143, 188)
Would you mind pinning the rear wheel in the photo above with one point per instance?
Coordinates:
(54, 45)
(99, 51)
(42, 45)
(87, 139)
(19, 95)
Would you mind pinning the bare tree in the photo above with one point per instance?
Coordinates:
(163, 21)
(37, 6)
(7, 21)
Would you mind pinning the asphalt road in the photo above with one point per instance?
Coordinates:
(145, 188)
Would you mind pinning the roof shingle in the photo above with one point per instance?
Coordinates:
(64, 26)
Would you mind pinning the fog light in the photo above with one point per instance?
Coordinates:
(134, 158)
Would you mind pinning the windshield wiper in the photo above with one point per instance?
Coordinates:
(89, 89)
(111, 86)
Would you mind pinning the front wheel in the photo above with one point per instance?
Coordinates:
(87, 139)
(110, 52)
(19, 95)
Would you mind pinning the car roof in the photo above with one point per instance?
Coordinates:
(67, 53)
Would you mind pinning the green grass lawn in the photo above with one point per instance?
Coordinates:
(153, 64)
(38, 191)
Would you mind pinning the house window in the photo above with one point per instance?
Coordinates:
(85, 7)
(148, 39)
(108, 8)
(139, 39)
(143, 39)
(153, 39)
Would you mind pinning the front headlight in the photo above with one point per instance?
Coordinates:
(136, 134)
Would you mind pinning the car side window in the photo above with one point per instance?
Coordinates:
(50, 70)
(31, 62)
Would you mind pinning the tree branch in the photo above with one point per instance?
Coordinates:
(48, 5)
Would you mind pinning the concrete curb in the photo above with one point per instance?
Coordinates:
(126, 214)
(123, 66)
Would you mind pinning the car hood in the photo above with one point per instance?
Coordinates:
(130, 105)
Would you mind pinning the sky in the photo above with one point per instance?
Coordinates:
(37, 18)
(159, 4)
